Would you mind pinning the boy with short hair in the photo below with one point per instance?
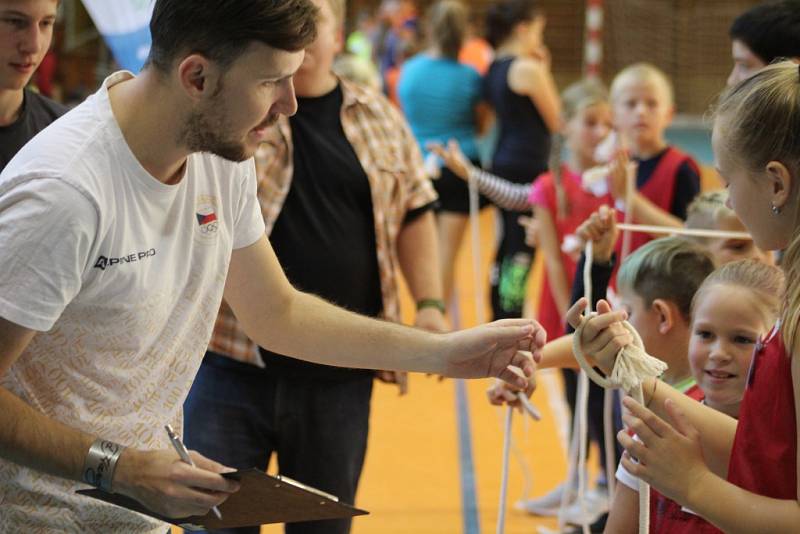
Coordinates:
(656, 285)
(762, 34)
(667, 179)
(26, 29)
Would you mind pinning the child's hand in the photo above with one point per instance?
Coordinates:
(619, 174)
(452, 157)
(501, 393)
(531, 226)
(669, 455)
(601, 229)
(603, 335)
(394, 377)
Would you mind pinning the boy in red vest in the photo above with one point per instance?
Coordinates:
(666, 179)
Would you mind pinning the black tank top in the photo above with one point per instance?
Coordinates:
(523, 144)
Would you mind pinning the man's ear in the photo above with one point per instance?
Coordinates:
(665, 312)
(197, 76)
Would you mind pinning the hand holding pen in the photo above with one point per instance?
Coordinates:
(180, 448)
(172, 487)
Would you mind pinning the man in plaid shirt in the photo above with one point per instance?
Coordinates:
(347, 204)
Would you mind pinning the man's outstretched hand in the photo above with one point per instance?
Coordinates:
(488, 350)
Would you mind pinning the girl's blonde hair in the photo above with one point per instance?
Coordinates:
(707, 210)
(770, 99)
(575, 98)
(764, 281)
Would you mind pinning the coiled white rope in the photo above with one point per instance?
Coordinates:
(631, 367)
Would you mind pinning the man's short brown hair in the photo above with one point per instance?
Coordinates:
(222, 29)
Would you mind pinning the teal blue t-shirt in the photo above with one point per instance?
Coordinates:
(438, 97)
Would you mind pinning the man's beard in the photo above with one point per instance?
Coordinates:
(206, 131)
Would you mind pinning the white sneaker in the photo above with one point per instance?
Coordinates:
(546, 505)
(596, 504)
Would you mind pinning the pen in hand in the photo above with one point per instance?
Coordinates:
(184, 454)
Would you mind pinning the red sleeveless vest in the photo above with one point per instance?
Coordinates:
(660, 188)
(764, 454)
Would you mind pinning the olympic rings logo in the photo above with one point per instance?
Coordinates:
(209, 228)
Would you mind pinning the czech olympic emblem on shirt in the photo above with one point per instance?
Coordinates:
(207, 218)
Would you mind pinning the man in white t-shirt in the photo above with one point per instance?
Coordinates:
(121, 225)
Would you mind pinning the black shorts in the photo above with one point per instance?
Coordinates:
(454, 192)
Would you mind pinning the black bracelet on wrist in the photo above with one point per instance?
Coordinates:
(431, 303)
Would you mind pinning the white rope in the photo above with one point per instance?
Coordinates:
(572, 243)
(583, 424)
(630, 176)
(676, 230)
(572, 460)
(501, 517)
(631, 367)
(578, 457)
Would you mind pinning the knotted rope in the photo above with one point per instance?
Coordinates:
(632, 366)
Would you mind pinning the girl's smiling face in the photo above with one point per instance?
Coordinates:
(728, 321)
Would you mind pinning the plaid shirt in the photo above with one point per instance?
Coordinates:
(392, 161)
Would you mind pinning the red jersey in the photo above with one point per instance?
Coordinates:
(669, 517)
(581, 204)
(660, 188)
(764, 454)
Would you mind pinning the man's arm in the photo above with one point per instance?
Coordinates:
(158, 479)
(287, 321)
(418, 252)
(26, 436)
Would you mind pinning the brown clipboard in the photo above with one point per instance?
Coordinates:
(262, 499)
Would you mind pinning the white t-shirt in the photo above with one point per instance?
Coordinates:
(122, 276)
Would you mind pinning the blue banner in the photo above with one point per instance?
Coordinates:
(124, 24)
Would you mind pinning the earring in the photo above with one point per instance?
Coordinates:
(775, 210)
